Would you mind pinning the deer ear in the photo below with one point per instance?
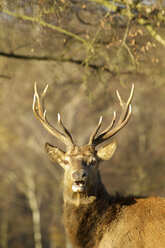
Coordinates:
(55, 154)
(107, 151)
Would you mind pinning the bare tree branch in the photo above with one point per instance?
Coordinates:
(45, 24)
(136, 10)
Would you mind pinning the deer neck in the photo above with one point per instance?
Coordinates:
(76, 213)
(99, 192)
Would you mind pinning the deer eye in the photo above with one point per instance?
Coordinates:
(88, 163)
(84, 163)
(93, 162)
(66, 162)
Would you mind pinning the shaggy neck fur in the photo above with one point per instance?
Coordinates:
(88, 217)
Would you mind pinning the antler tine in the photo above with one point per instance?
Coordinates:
(95, 131)
(124, 105)
(110, 125)
(92, 137)
(64, 128)
(40, 99)
(40, 113)
(104, 136)
(123, 120)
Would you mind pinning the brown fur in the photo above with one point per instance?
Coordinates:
(94, 219)
(119, 222)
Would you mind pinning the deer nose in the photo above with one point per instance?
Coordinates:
(79, 175)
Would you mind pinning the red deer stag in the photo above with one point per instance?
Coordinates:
(93, 218)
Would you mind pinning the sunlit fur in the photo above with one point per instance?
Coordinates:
(96, 219)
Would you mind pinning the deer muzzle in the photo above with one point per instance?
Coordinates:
(79, 181)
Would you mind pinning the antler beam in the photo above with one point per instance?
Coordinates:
(40, 113)
(123, 120)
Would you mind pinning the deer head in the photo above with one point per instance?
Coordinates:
(81, 163)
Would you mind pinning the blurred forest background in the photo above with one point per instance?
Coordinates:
(84, 50)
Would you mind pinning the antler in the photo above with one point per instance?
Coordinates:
(123, 120)
(40, 113)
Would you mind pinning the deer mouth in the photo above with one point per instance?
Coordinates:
(79, 186)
